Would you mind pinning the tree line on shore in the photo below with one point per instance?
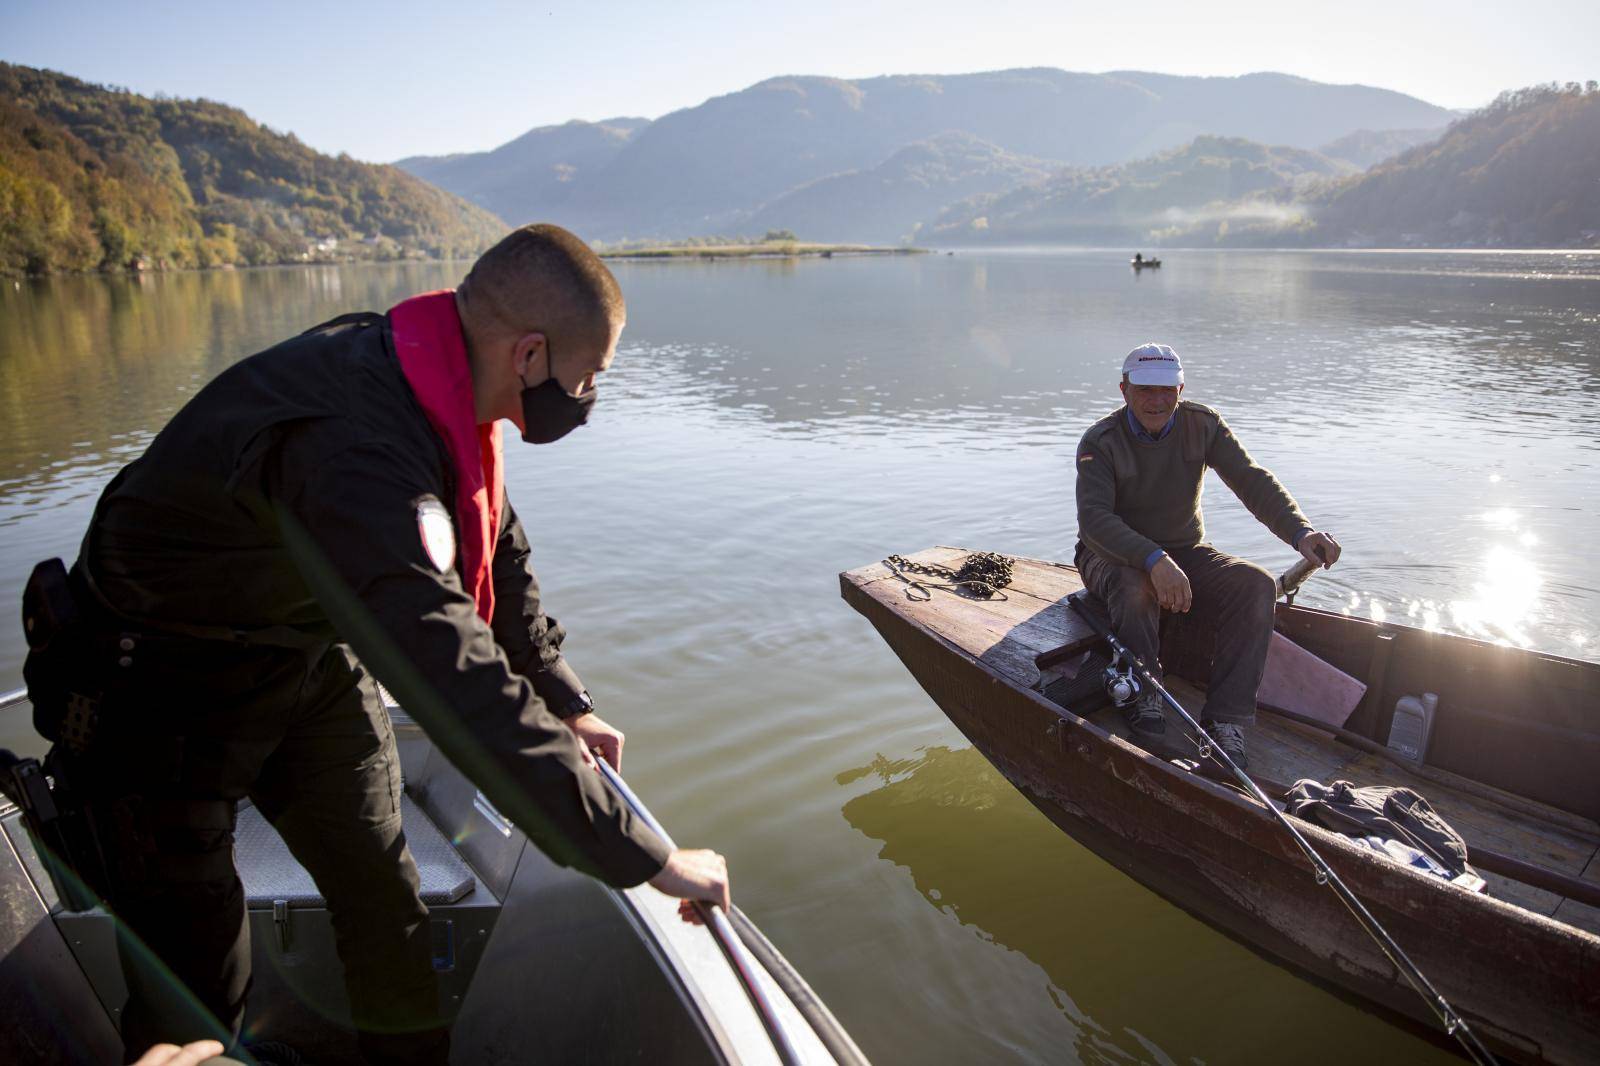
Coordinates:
(97, 178)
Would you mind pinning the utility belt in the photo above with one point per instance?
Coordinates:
(96, 803)
(85, 656)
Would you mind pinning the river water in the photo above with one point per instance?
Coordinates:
(768, 424)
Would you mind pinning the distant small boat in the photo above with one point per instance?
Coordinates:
(1141, 264)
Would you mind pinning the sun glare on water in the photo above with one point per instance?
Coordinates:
(1502, 602)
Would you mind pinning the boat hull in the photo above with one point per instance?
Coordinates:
(1528, 985)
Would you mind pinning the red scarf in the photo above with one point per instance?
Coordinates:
(433, 356)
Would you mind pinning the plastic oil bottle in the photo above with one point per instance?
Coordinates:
(1412, 726)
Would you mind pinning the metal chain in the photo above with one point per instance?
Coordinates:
(984, 573)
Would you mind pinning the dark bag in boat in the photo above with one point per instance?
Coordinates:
(1380, 810)
(47, 604)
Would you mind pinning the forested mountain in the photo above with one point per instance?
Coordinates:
(1128, 202)
(97, 178)
(1522, 172)
(892, 201)
(1364, 148)
(531, 177)
(709, 168)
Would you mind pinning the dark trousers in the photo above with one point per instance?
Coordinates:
(1224, 636)
(197, 726)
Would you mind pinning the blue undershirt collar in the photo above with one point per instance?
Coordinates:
(1139, 432)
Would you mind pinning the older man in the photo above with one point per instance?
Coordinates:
(324, 513)
(1141, 540)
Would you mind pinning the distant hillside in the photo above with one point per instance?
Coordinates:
(95, 178)
(1127, 202)
(890, 202)
(1363, 148)
(706, 169)
(1519, 173)
(532, 177)
(1522, 172)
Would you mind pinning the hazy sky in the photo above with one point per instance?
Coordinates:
(385, 80)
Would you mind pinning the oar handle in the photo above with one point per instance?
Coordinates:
(1291, 579)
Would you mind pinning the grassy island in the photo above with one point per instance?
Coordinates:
(715, 248)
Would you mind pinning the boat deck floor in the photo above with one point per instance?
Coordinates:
(1009, 633)
(1284, 751)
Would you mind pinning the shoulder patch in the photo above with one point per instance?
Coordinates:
(438, 533)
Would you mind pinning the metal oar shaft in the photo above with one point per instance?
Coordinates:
(721, 931)
(1453, 1023)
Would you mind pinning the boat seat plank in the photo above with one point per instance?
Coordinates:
(1008, 632)
(270, 873)
(1493, 826)
(1583, 915)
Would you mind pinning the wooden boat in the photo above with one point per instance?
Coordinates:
(1514, 765)
(1144, 264)
(536, 963)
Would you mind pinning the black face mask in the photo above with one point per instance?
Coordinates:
(548, 413)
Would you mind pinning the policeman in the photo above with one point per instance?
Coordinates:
(323, 515)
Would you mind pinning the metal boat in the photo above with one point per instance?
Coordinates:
(536, 963)
(1513, 763)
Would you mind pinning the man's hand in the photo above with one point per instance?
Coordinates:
(695, 875)
(1172, 585)
(173, 1055)
(1330, 548)
(594, 734)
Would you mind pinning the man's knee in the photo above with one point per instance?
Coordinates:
(1254, 594)
(1133, 592)
(1262, 587)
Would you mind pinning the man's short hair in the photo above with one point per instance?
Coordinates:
(542, 278)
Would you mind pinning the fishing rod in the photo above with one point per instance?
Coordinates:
(1453, 1023)
(721, 931)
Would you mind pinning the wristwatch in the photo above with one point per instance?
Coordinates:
(579, 704)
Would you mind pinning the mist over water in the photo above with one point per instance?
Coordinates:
(769, 424)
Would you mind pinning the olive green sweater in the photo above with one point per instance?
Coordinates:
(1135, 497)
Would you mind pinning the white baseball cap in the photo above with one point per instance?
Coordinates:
(1153, 364)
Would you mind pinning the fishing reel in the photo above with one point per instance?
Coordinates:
(1121, 684)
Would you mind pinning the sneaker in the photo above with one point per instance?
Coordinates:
(270, 1053)
(1144, 718)
(1230, 738)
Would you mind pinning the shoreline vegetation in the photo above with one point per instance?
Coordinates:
(96, 179)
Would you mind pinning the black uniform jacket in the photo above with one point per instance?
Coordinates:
(281, 505)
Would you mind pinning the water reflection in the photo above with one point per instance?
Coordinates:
(1135, 978)
(1017, 335)
(90, 367)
